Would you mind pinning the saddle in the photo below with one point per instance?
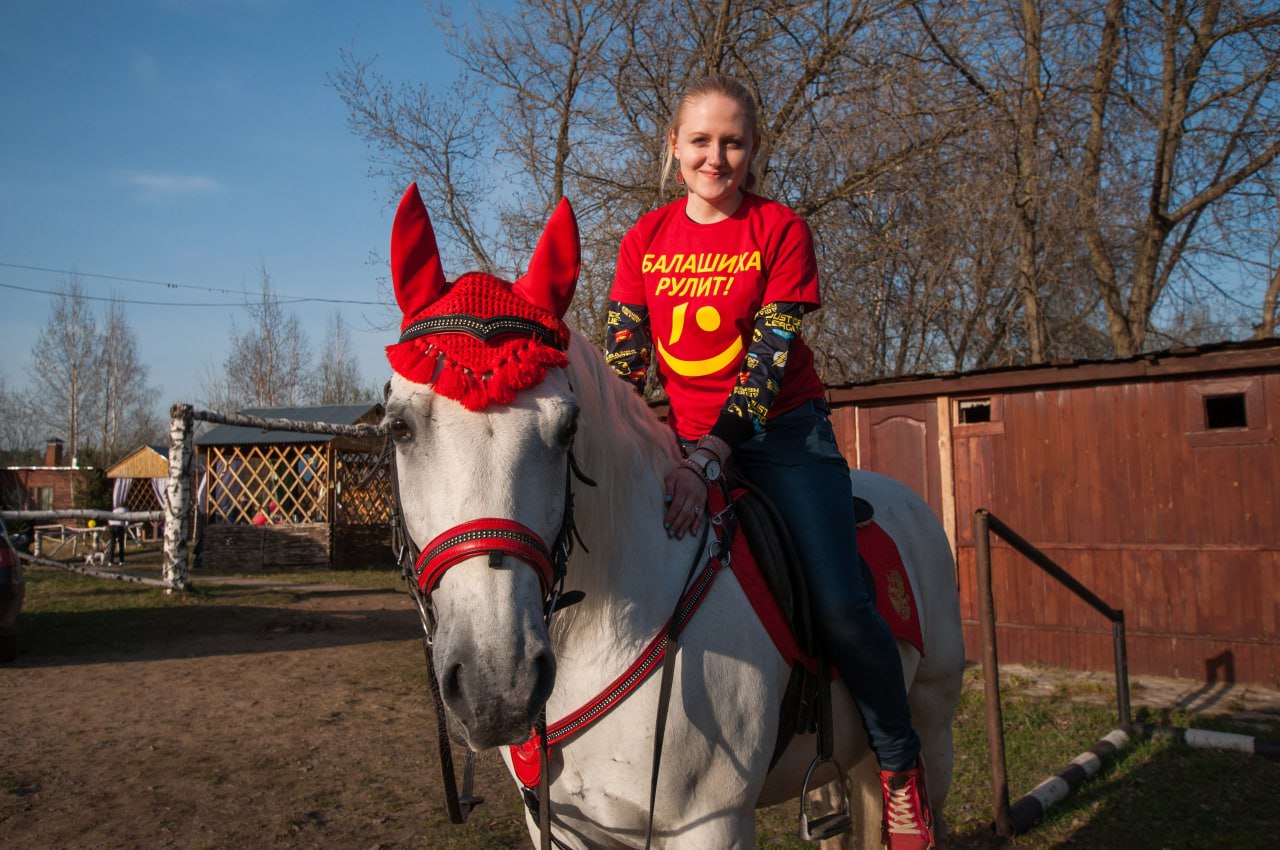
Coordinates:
(778, 564)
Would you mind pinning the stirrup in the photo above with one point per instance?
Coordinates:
(832, 823)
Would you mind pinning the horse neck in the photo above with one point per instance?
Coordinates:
(632, 573)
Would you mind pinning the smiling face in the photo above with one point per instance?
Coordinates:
(714, 144)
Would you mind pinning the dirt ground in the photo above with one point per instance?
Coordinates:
(310, 727)
(305, 724)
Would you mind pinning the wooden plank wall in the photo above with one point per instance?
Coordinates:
(254, 547)
(1122, 486)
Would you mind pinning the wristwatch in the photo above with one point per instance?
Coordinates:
(705, 464)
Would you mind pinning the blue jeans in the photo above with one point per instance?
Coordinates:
(797, 463)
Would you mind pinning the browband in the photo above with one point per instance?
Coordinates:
(482, 329)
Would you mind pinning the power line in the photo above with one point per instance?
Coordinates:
(128, 300)
(280, 299)
(284, 299)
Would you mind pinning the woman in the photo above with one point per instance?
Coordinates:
(719, 283)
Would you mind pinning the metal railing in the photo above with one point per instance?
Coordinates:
(984, 525)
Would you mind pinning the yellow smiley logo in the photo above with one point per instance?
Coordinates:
(708, 321)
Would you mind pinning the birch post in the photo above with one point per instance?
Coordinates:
(177, 526)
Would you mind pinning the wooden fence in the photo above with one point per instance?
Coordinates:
(178, 503)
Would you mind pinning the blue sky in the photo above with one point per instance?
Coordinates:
(195, 142)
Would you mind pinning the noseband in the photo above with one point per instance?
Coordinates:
(496, 537)
(423, 569)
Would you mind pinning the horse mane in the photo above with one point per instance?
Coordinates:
(619, 439)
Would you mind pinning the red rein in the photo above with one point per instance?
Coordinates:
(497, 537)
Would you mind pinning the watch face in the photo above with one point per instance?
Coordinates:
(712, 470)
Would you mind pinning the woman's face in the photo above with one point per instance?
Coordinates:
(714, 146)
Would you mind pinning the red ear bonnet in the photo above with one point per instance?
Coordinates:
(481, 339)
(553, 270)
(415, 262)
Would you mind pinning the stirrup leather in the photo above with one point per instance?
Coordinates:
(829, 825)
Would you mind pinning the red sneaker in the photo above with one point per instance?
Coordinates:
(907, 822)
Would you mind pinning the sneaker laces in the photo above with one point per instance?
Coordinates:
(902, 808)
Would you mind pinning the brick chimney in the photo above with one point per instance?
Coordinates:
(53, 452)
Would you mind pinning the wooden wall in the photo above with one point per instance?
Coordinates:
(256, 547)
(1120, 486)
(1123, 484)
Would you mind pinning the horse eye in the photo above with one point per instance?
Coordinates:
(570, 429)
(400, 430)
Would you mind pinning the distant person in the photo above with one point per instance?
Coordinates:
(115, 549)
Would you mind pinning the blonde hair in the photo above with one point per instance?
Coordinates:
(698, 89)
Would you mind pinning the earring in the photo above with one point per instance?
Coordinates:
(679, 177)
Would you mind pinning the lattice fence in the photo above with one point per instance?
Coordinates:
(142, 496)
(283, 483)
(362, 485)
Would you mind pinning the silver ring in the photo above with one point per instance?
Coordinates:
(697, 511)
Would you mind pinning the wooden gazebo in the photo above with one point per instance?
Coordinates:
(138, 481)
(283, 498)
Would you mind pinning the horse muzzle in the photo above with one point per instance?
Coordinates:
(492, 655)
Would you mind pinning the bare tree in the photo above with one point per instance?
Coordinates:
(22, 430)
(337, 376)
(64, 384)
(983, 183)
(269, 359)
(123, 415)
(1184, 111)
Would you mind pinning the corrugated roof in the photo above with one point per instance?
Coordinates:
(1210, 358)
(230, 435)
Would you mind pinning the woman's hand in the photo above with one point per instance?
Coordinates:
(685, 494)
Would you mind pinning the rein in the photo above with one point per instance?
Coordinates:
(422, 570)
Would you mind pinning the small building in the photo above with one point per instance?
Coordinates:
(138, 482)
(53, 486)
(1153, 480)
(291, 499)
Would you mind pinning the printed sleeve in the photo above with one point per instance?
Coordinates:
(793, 268)
(626, 340)
(777, 327)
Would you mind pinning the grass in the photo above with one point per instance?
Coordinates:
(1154, 794)
(66, 611)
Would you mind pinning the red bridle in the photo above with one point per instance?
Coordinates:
(493, 536)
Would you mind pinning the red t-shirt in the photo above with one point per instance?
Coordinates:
(703, 285)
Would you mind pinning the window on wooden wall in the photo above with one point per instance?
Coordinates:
(978, 415)
(1226, 412)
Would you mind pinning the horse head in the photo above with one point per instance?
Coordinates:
(482, 418)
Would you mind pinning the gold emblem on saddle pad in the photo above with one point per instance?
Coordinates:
(898, 596)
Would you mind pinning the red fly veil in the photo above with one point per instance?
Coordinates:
(480, 339)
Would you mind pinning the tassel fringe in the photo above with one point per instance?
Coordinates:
(520, 364)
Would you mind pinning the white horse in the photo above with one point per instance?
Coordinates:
(496, 661)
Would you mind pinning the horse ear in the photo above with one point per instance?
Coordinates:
(553, 269)
(415, 260)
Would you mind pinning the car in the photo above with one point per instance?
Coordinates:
(13, 589)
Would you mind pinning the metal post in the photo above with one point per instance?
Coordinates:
(177, 525)
(1122, 671)
(991, 676)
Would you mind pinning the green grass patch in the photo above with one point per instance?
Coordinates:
(65, 612)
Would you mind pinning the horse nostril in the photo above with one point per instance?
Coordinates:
(451, 681)
(545, 663)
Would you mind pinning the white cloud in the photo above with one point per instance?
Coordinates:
(153, 184)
